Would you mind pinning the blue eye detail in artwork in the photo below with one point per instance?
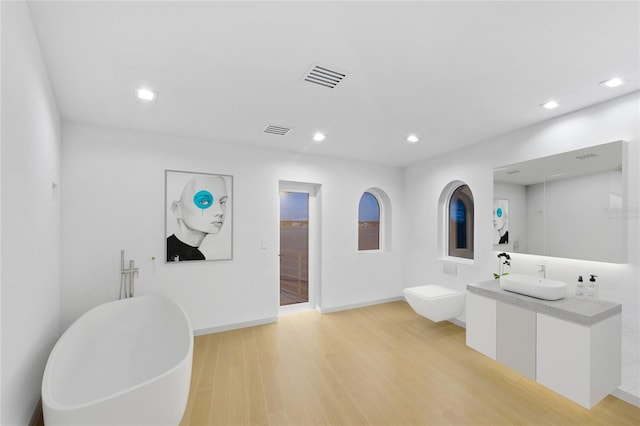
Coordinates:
(203, 199)
(499, 212)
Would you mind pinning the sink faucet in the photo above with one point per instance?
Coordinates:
(542, 270)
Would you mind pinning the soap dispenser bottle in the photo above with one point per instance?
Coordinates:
(592, 287)
(580, 287)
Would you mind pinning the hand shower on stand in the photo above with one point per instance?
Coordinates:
(126, 277)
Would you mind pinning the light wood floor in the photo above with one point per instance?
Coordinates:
(381, 365)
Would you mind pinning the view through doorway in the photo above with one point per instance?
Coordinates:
(294, 248)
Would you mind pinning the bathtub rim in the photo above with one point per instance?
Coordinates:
(47, 399)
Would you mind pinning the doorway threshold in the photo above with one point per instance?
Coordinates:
(295, 308)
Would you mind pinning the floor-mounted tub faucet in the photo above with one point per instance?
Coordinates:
(542, 270)
(126, 277)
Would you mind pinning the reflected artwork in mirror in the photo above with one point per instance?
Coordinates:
(567, 205)
(500, 221)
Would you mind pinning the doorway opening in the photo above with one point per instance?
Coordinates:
(298, 240)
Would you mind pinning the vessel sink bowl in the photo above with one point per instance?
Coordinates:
(541, 288)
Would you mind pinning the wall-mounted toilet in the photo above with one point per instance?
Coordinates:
(435, 302)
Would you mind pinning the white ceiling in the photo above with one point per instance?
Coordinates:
(454, 73)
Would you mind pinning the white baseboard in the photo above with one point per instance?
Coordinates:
(458, 322)
(270, 320)
(359, 305)
(228, 327)
(627, 397)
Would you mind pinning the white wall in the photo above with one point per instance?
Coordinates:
(607, 122)
(30, 216)
(113, 199)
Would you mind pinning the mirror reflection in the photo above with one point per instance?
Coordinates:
(566, 205)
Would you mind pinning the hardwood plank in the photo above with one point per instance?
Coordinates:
(381, 364)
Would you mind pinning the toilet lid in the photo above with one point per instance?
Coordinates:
(432, 291)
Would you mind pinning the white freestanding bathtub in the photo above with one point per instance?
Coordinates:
(122, 363)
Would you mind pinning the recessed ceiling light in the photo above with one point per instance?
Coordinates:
(550, 105)
(318, 137)
(146, 94)
(412, 139)
(613, 82)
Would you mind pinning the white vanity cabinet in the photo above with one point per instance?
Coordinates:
(481, 324)
(572, 346)
(503, 332)
(516, 338)
(577, 361)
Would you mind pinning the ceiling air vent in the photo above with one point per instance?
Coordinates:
(324, 76)
(585, 156)
(277, 130)
(512, 172)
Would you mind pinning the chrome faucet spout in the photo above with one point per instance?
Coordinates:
(542, 270)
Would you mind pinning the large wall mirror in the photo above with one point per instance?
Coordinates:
(567, 205)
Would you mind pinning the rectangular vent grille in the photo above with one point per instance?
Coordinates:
(512, 172)
(324, 76)
(585, 156)
(277, 130)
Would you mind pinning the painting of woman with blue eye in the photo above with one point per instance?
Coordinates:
(501, 221)
(200, 215)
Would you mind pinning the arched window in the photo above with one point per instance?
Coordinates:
(369, 222)
(461, 218)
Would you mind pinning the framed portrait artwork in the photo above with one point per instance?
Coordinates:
(198, 216)
(500, 221)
